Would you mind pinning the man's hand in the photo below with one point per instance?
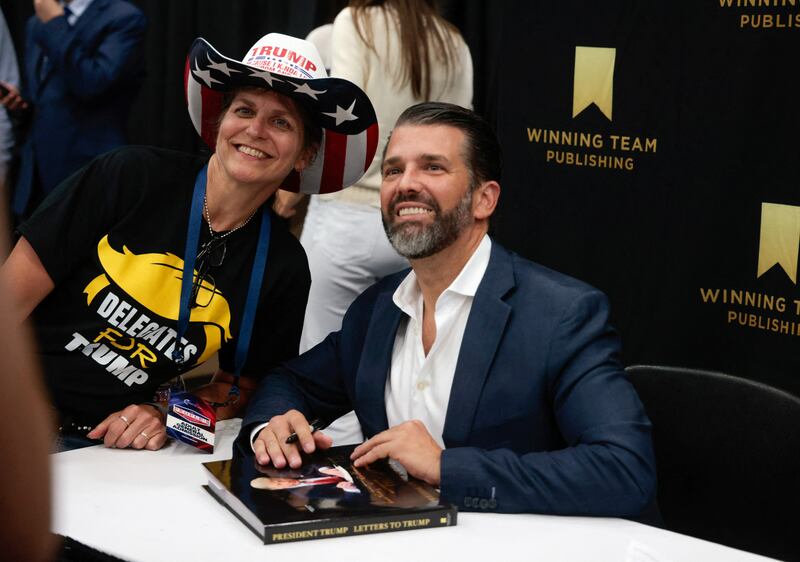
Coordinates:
(218, 390)
(270, 444)
(12, 100)
(139, 426)
(410, 444)
(47, 9)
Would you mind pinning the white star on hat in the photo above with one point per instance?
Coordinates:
(264, 75)
(306, 89)
(341, 115)
(204, 75)
(220, 66)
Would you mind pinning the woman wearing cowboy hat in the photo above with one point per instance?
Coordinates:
(147, 262)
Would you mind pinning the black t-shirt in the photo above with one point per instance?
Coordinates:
(112, 237)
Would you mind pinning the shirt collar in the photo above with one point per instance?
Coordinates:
(77, 7)
(471, 275)
(408, 297)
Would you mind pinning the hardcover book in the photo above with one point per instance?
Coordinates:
(327, 497)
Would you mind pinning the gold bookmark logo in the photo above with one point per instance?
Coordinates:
(747, 306)
(564, 141)
(594, 79)
(779, 240)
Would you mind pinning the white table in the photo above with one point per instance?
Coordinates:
(149, 506)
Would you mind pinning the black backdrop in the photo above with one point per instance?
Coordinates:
(704, 87)
(710, 83)
(232, 26)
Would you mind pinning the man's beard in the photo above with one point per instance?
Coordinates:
(414, 241)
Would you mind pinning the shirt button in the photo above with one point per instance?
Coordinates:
(422, 385)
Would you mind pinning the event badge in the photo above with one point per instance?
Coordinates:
(191, 420)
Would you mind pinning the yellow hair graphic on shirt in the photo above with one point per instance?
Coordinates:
(154, 281)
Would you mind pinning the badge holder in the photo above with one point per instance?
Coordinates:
(191, 420)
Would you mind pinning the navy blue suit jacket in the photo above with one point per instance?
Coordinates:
(80, 81)
(541, 416)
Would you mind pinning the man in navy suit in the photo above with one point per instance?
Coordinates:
(84, 63)
(485, 374)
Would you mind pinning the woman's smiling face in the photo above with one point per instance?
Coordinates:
(260, 139)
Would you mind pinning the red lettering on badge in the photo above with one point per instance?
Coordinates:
(192, 417)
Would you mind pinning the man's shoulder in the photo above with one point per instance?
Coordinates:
(536, 274)
(116, 15)
(119, 8)
(532, 280)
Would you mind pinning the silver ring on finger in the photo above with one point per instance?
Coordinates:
(127, 422)
(143, 434)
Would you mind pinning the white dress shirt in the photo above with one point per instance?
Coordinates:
(418, 386)
(76, 7)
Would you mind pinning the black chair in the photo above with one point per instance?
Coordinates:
(728, 457)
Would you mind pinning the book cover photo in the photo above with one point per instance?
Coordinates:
(327, 497)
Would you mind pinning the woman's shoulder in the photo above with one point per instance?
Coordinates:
(146, 165)
(138, 171)
(344, 17)
(374, 15)
(286, 255)
(139, 155)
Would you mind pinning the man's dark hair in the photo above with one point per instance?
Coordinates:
(483, 154)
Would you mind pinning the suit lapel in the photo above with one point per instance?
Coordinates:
(36, 70)
(34, 61)
(44, 69)
(375, 362)
(485, 326)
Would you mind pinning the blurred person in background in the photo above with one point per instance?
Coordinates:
(9, 74)
(401, 52)
(83, 65)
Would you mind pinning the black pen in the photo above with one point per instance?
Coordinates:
(315, 425)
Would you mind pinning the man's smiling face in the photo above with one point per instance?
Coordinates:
(426, 199)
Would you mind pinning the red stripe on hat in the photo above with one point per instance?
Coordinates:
(372, 144)
(186, 81)
(333, 169)
(212, 106)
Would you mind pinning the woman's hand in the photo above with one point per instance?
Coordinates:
(139, 426)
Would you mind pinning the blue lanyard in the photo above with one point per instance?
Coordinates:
(253, 291)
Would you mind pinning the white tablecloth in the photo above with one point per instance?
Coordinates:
(149, 506)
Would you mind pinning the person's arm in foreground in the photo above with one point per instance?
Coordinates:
(25, 440)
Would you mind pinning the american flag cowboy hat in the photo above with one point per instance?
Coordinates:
(292, 67)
